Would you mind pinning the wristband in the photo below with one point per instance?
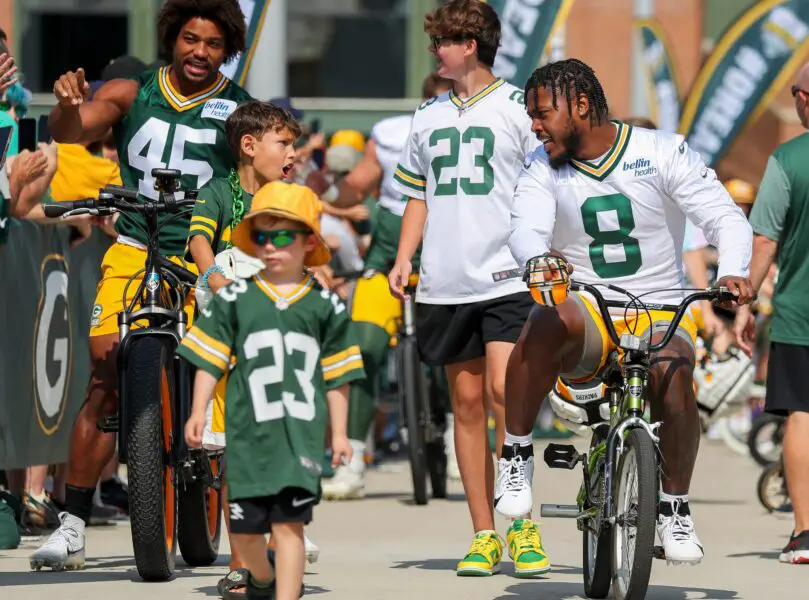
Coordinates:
(212, 269)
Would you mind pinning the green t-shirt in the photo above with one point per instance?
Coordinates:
(781, 213)
(164, 129)
(213, 213)
(288, 354)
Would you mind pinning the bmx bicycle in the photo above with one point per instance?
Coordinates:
(174, 491)
(617, 519)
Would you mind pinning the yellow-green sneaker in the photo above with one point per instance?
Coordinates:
(525, 549)
(483, 558)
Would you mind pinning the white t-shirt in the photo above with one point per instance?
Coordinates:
(463, 158)
(622, 220)
(391, 136)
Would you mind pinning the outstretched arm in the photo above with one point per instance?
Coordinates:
(362, 179)
(74, 119)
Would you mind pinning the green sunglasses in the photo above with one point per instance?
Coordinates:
(280, 238)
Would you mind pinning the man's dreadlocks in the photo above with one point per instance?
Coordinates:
(570, 77)
(227, 13)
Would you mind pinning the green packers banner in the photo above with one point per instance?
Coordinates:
(47, 297)
(663, 91)
(254, 12)
(526, 28)
(751, 63)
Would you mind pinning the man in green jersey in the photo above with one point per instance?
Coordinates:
(172, 117)
(780, 221)
(295, 353)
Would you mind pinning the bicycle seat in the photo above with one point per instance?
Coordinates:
(580, 404)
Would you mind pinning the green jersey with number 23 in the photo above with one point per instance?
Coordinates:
(167, 130)
(288, 352)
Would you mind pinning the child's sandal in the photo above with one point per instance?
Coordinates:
(236, 579)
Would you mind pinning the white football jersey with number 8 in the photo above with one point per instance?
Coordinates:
(621, 218)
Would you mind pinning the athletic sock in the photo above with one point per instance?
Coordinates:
(670, 503)
(79, 502)
(518, 445)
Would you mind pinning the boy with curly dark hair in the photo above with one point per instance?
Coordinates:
(171, 117)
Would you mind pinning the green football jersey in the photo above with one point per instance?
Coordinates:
(164, 129)
(213, 213)
(289, 350)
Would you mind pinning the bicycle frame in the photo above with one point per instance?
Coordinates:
(626, 380)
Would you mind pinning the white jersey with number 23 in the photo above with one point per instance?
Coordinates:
(463, 157)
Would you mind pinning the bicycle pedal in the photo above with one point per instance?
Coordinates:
(659, 553)
(107, 424)
(562, 456)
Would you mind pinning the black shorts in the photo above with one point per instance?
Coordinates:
(453, 333)
(787, 379)
(256, 515)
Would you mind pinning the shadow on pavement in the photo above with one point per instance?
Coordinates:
(311, 590)
(715, 501)
(771, 554)
(448, 564)
(553, 590)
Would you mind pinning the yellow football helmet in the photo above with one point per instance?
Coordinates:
(548, 279)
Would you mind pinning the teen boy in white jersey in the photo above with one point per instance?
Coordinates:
(459, 169)
(611, 199)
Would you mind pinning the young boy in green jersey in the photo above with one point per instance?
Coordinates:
(261, 137)
(295, 354)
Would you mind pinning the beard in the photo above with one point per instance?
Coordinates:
(571, 142)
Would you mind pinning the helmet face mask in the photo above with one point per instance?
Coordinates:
(548, 279)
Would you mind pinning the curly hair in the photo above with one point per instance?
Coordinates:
(570, 78)
(467, 20)
(226, 13)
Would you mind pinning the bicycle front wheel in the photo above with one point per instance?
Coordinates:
(411, 392)
(152, 479)
(636, 489)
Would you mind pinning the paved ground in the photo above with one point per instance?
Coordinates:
(386, 548)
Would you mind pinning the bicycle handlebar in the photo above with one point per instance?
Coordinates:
(114, 198)
(722, 294)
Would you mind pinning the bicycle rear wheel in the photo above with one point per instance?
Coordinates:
(766, 438)
(772, 489)
(200, 522)
(152, 479)
(636, 489)
(411, 394)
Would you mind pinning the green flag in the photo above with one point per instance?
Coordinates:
(526, 28)
(663, 90)
(751, 63)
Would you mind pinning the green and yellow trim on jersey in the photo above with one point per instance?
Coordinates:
(340, 364)
(272, 292)
(410, 179)
(203, 226)
(182, 103)
(470, 102)
(600, 171)
(210, 351)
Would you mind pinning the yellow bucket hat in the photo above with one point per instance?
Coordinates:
(285, 201)
(741, 191)
(348, 137)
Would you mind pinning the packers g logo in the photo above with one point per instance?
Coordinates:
(52, 349)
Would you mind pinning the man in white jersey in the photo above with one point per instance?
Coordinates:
(613, 201)
(458, 170)
(374, 311)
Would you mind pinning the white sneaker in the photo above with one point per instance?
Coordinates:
(312, 551)
(453, 471)
(64, 549)
(348, 481)
(512, 492)
(680, 542)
